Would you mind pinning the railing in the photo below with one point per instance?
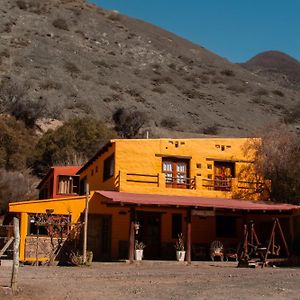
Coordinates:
(181, 182)
(218, 184)
(143, 178)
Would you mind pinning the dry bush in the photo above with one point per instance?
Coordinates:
(278, 93)
(211, 130)
(16, 186)
(60, 24)
(277, 158)
(101, 63)
(293, 115)
(22, 4)
(114, 15)
(168, 122)
(14, 100)
(261, 92)
(71, 68)
(50, 85)
(239, 89)
(133, 92)
(128, 122)
(159, 90)
(227, 72)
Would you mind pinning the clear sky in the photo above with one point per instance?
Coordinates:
(235, 29)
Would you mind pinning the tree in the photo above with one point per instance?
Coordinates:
(277, 158)
(128, 123)
(75, 141)
(16, 186)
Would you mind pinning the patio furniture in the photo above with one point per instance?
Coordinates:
(216, 250)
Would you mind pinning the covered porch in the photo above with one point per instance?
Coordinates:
(201, 220)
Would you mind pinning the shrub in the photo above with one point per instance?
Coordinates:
(76, 138)
(50, 85)
(114, 15)
(60, 24)
(278, 93)
(159, 90)
(16, 186)
(227, 72)
(133, 92)
(128, 123)
(212, 129)
(71, 68)
(16, 143)
(21, 4)
(261, 92)
(237, 88)
(168, 122)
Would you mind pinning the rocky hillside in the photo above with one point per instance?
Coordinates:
(278, 67)
(82, 60)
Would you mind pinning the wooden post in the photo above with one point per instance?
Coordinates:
(131, 235)
(188, 235)
(86, 214)
(15, 268)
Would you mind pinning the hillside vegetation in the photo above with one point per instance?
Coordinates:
(70, 58)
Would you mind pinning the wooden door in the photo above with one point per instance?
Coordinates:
(99, 236)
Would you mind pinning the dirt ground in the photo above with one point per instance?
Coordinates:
(154, 280)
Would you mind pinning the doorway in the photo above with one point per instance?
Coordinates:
(99, 236)
(150, 233)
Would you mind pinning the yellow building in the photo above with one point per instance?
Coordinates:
(152, 189)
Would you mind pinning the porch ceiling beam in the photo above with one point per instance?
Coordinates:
(173, 156)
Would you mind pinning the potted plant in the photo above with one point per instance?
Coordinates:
(179, 246)
(139, 248)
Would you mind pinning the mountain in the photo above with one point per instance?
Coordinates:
(82, 60)
(276, 66)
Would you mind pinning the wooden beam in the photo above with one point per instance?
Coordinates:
(188, 235)
(131, 235)
(15, 268)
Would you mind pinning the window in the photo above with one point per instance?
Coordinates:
(108, 169)
(176, 173)
(223, 172)
(226, 227)
(68, 184)
(49, 224)
(176, 225)
(83, 182)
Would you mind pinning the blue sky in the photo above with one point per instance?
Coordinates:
(235, 29)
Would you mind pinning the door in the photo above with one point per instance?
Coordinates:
(176, 172)
(99, 236)
(150, 233)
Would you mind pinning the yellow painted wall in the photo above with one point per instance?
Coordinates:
(142, 156)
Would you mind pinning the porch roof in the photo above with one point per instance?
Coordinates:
(112, 197)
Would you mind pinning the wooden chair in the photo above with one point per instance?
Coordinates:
(216, 250)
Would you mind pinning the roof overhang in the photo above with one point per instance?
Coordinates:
(121, 198)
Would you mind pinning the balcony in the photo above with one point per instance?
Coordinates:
(161, 180)
(218, 184)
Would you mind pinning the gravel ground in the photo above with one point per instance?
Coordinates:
(154, 280)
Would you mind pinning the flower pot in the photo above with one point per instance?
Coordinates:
(139, 254)
(180, 255)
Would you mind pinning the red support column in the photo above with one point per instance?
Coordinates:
(188, 235)
(131, 235)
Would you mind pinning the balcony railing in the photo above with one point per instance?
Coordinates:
(170, 182)
(142, 178)
(218, 184)
(181, 182)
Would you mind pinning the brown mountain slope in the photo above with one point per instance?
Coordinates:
(277, 66)
(85, 60)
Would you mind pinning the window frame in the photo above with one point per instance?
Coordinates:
(108, 167)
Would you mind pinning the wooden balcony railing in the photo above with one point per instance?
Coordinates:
(181, 182)
(218, 184)
(142, 178)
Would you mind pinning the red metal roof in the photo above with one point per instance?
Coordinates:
(185, 201)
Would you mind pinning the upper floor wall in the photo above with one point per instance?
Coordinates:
(213, 167)
(60, 181)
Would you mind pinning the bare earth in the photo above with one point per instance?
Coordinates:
(154, 280)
